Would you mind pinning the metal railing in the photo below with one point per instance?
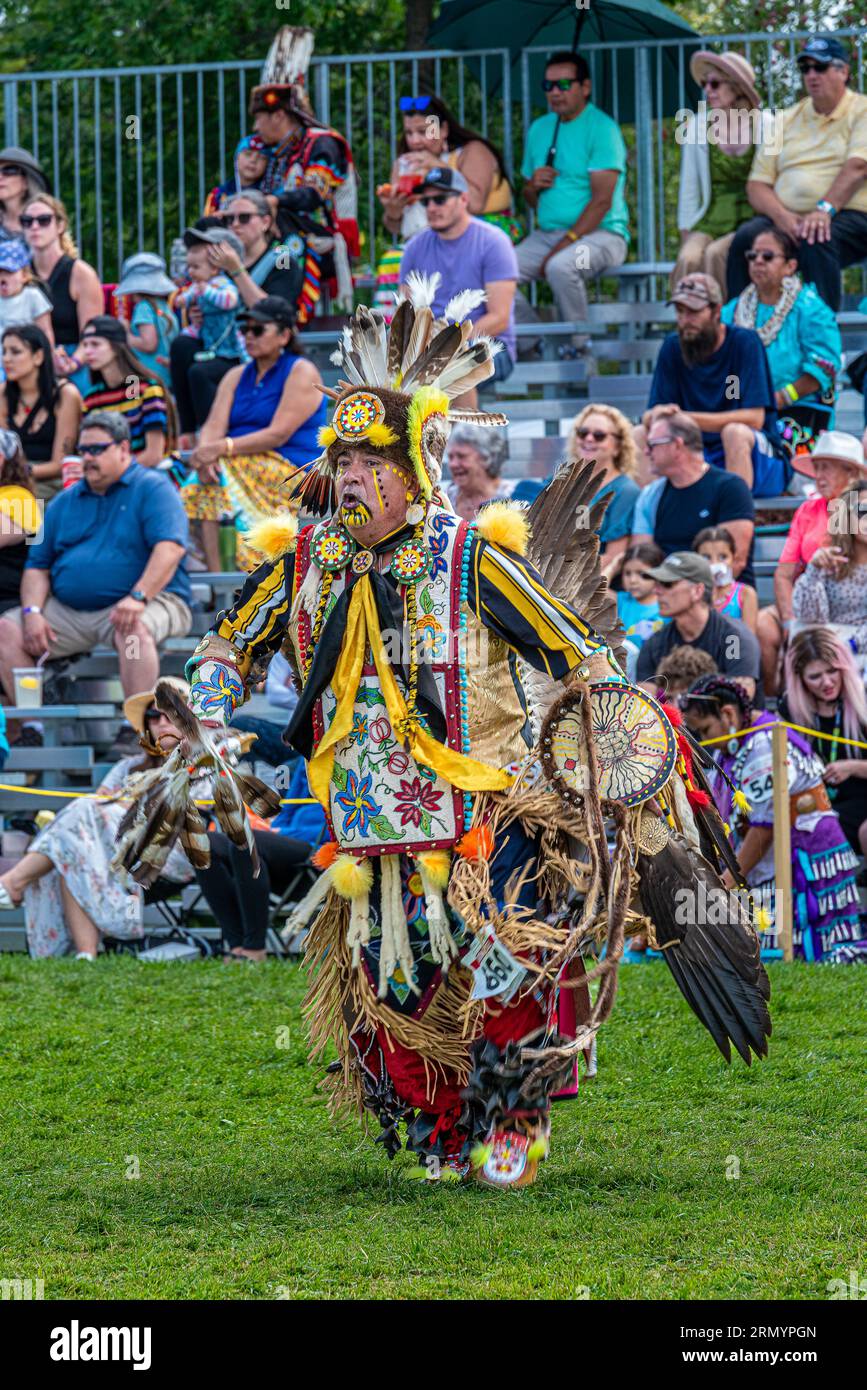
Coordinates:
(134, 151)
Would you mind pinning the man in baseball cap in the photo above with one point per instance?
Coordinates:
(466, 254)
(684, 592)
(811, 178)
(719, 376)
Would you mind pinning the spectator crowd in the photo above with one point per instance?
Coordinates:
(135, 419)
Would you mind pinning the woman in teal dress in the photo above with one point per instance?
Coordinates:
(801, 338)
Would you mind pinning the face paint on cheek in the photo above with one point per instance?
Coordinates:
(377, 491)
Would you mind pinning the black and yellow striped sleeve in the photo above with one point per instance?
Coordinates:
(256, 623)
(509, 596)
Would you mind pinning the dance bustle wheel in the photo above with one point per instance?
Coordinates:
(634, 742)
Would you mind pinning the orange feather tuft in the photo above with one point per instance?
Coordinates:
(325, 855)
(478, 843)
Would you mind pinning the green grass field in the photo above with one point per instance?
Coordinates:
(195, 1076)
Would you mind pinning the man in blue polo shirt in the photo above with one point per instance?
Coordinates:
(109, 569)
(720, 378)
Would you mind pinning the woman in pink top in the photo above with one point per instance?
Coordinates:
(836, 463)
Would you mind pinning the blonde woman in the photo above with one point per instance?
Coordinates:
(604, 435)
(73, 286)
(715, 164)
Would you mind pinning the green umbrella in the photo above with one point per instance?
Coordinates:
(552, 24)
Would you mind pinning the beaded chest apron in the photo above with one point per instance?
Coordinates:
(382, 800)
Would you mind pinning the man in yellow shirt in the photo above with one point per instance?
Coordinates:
(811, 178)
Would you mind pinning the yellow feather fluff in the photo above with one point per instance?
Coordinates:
(426, 401)
(380, 436)
(350, 877)
(437, 865)
(326, 436)
(763, 919)
(741, 802)
(504, 524)
(274, 537)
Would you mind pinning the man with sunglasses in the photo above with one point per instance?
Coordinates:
(684, 592)
(575, 175)
(109, 570)
(811, 180)
(466, 254)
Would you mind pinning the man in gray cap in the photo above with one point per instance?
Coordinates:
(811, 178)
(720, 377)
(684, 592)
(467, 254)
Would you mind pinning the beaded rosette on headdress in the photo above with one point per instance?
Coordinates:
(397, 387)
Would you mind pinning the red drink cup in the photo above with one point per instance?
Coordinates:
(72, 469)
(408, 183)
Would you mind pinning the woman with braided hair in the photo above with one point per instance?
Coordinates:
(825, 898)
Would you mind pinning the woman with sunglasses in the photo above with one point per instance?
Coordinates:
(265, 265)
(73, 286)
(71, 895)
(712, 199)
(21, 178)
(265, 415)
(602, 434)
(44, 410)
(432, 137)
(824, 895)
(801, 339)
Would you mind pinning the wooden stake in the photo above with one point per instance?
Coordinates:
(782, 841)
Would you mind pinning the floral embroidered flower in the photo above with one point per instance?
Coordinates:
(358, 732)
(221, 687)
(357, 804)
(415, 798)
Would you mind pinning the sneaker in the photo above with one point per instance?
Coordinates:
(125, 744)
(85, 955)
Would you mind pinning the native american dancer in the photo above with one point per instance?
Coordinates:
(469, 865)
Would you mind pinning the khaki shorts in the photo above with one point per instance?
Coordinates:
(77, 631)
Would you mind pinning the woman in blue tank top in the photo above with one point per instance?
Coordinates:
(261, 430)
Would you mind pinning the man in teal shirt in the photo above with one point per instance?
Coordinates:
(575, 173)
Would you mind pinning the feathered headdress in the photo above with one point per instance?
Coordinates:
(398, 384)
(284, 76)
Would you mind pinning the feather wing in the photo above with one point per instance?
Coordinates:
(716, 965)
(436, 356)
(564, 547)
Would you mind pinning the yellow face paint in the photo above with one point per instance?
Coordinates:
(377, 491)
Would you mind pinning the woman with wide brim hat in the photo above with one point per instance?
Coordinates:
(21, 178)
(71, 894)
(836, 463)
(717, 147)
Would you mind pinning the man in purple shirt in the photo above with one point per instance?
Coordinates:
(469, 255)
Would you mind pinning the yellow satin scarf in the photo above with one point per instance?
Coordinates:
(362, 629)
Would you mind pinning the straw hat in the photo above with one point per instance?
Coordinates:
(836, 446)
(732, 66)
(137, 706)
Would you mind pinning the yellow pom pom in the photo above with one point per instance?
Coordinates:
(274, 537)
(764, 921)
(480, 1153)
(380, 436)
(505, 525)
(538, 1150)
(437, 865)
(741, 802)
(414, 1174)
(326, 436)
(350, 877)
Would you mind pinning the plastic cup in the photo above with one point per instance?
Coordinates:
(72, 469)
(28, 686)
